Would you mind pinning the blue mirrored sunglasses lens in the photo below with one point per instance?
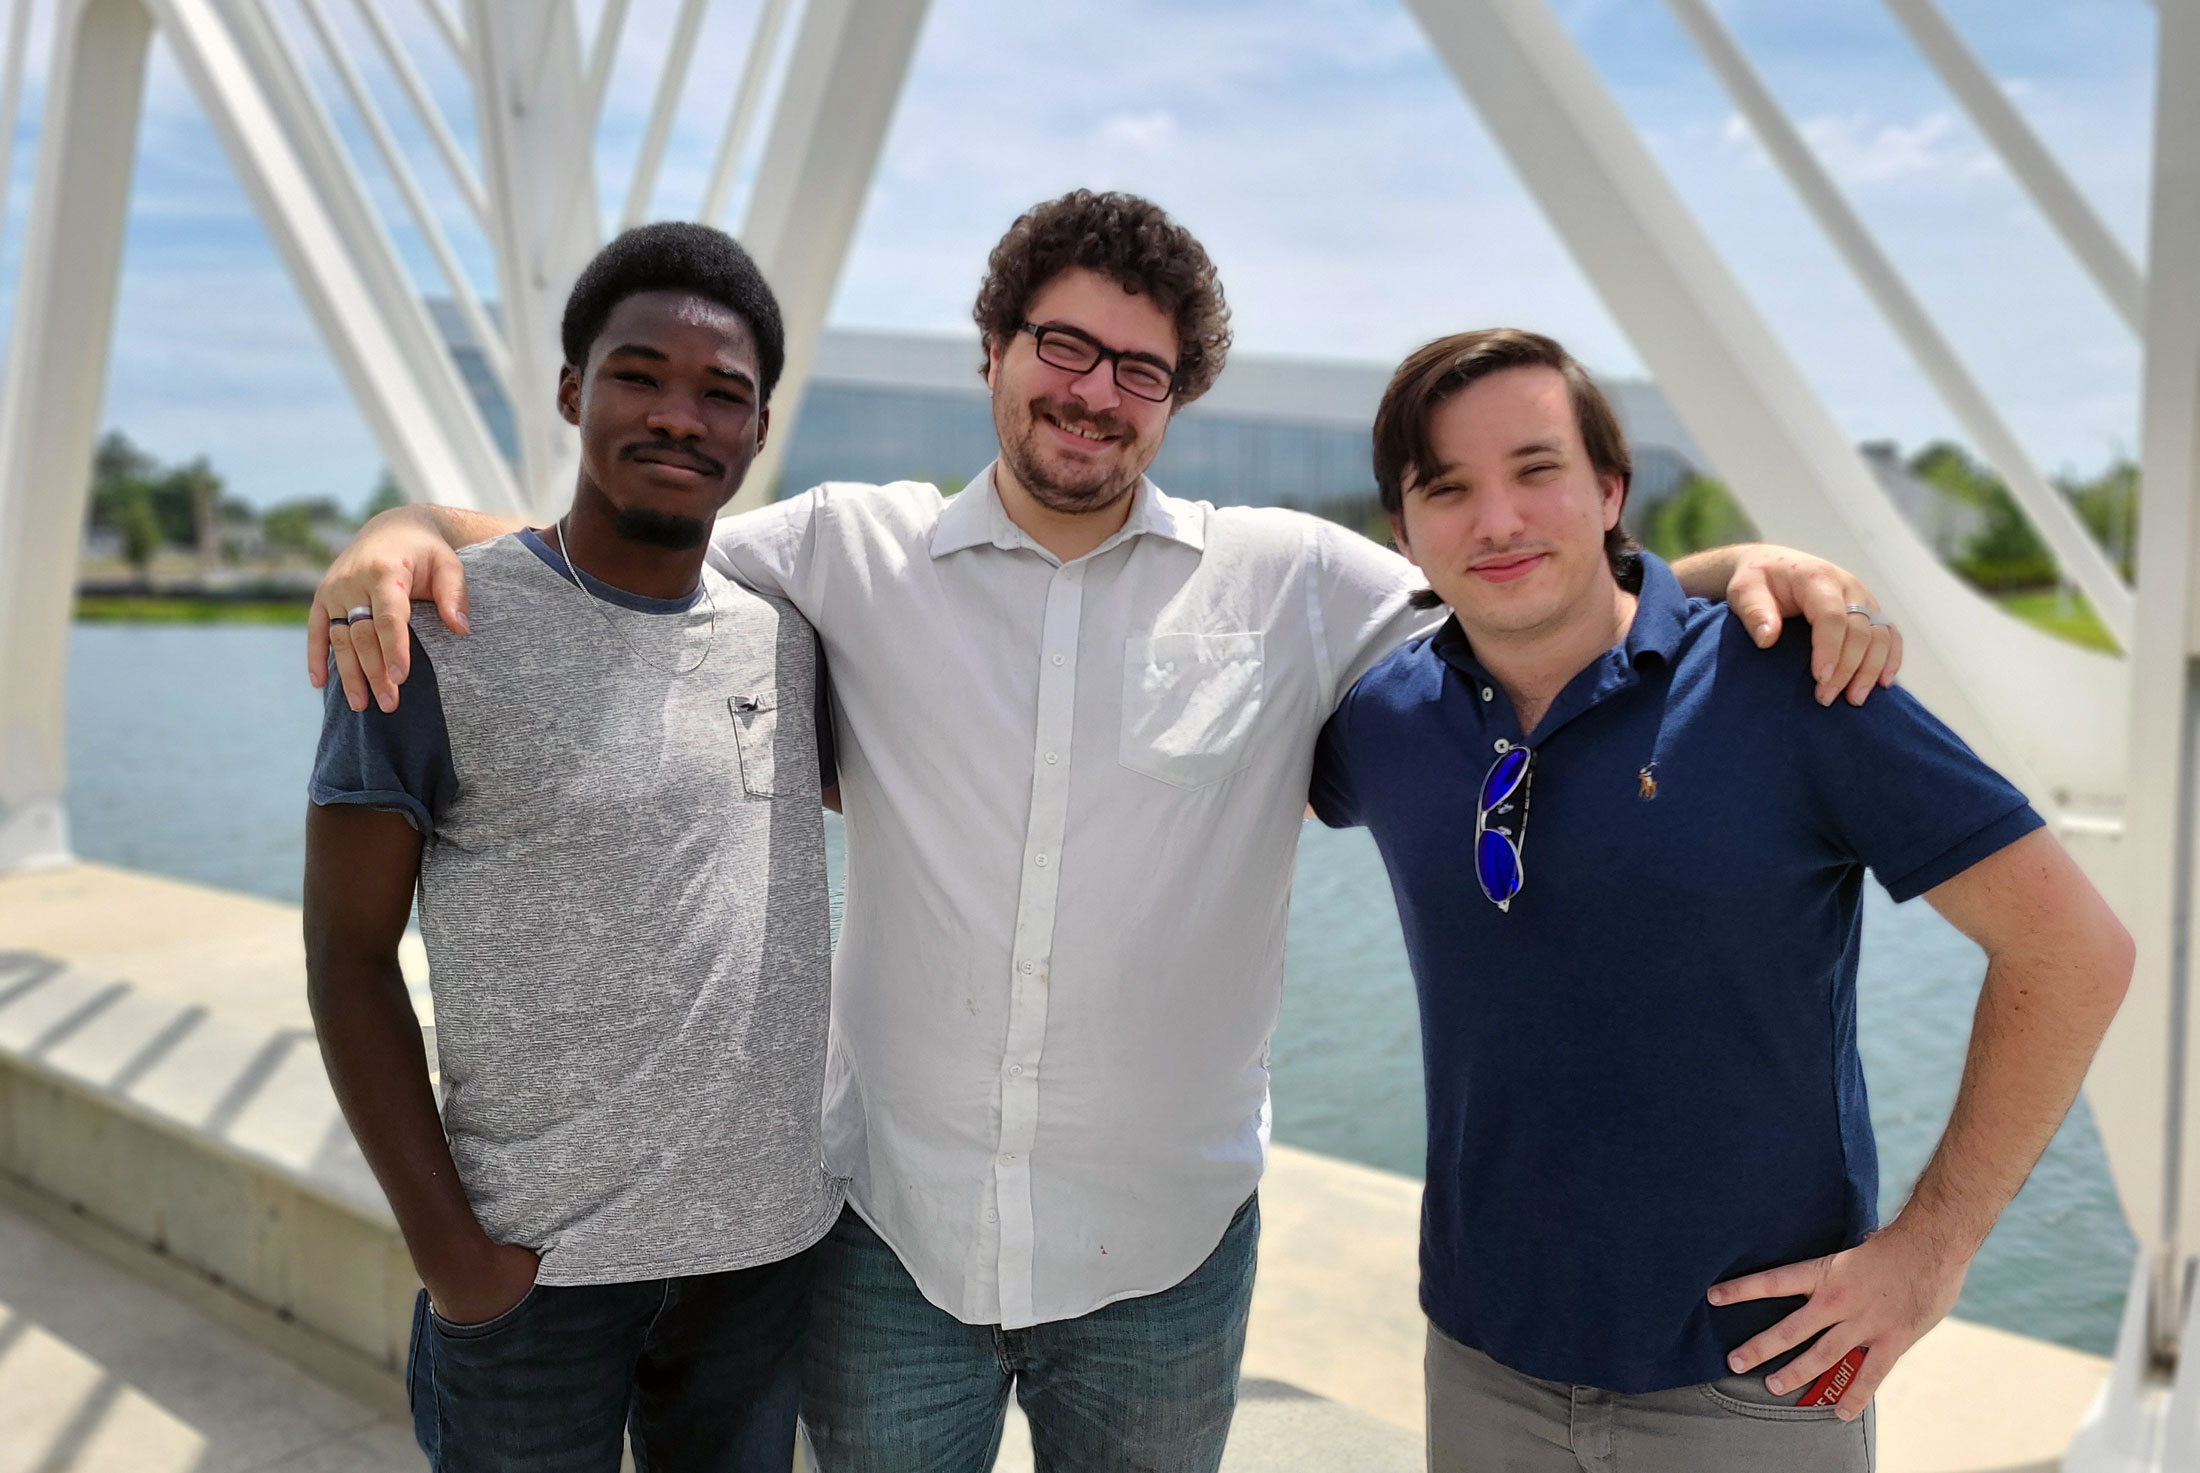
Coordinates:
(1497, 865)
(1504, 776)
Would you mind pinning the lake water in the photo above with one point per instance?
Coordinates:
(189, 749)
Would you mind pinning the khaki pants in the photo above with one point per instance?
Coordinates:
(1483, 1418)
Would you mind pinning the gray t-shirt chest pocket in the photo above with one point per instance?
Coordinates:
(756, 727)
(1189, 705)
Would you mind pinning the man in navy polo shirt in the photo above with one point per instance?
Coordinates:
(1629, 850)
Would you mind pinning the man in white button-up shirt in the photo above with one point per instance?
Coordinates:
(1076, 718)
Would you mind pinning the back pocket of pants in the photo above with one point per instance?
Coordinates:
(756, 727)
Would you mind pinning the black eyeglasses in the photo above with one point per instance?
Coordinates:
(1499, 837)
(1075, 352)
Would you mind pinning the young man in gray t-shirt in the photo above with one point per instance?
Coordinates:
(608, 802)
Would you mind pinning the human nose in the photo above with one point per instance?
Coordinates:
(1499, 517)
(1096, 388)
(678, 415)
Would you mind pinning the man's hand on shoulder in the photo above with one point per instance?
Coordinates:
(362, 610)
(1764, 585)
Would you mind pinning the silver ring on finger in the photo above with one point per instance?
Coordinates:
(361, 611)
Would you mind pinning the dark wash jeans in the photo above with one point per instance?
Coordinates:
(893, 1384)
(705, 1372)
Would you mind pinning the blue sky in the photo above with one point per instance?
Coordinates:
(1353, 200)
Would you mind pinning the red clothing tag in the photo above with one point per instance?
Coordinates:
(1827, 1389)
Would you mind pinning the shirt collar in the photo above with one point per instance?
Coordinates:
(975, 518)
(1661, 614)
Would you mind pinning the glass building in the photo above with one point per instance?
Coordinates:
(1271, 432)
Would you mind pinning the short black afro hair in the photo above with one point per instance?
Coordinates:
(676, 256)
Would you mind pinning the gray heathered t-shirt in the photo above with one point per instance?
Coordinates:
(623, 898)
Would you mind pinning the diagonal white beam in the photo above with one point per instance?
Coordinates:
(448, 28)
(1746, 403)
(755, 69)
(57, 365)
(843, 80)
(603, 53)
(538, 164)
(11, 92)
(486, 336)
(299, 179)
(424, 104)
(2151, 1050)
(2076, 551)
(671, 82)
(1991, 112)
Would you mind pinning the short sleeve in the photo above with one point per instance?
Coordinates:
(399, 761)
(828, 748)
(773, 550)
(1330, 792)
(1361, 603)
(1901, 793)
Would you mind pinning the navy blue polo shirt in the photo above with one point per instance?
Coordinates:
(1643, 1078)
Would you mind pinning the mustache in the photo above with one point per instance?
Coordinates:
(673, 452)
(1079, 418)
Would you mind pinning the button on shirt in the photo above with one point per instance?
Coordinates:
(1643, 1077)
(1073, 794)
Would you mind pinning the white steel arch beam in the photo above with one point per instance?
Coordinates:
(11, 91)
(57, 367)
(1747, 404)
(538, 152)
(747, 97)
(424, 104)
(671, 82)
(2050, 512)
(2142, 1090)
(301, 182)
(2161, 884)
(2099, 252)
(843, 80)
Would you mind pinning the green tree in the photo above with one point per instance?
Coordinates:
(1698, 514)
(2108, 503)
(294, 526)
(140, 527)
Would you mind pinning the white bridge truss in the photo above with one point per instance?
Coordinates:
(2108, 746)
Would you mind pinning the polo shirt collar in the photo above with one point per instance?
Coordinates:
(976, 518)
(1661, 614)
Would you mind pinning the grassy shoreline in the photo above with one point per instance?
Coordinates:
(157, 609)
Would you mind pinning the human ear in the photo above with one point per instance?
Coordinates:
(569, 393)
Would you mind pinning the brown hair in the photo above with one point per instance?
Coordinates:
(1133, 243)
(1441, 369)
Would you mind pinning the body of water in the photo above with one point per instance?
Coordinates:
(189, 749)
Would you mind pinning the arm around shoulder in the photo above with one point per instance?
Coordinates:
(403, 555)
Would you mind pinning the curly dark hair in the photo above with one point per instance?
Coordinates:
(679, 256)
(1133, 242)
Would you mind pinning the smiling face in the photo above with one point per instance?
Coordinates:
(669, 414)
(1075, 441)
(1510, 531)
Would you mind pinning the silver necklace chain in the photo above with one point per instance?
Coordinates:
(573, 571)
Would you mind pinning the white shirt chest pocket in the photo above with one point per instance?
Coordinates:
(1189, 705)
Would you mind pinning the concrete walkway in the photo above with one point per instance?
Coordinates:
(103, 1372)
(157, 1067)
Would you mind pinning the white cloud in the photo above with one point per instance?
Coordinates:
(1147, 132)
(1859, 148)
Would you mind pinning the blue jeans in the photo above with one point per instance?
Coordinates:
(704, 1371)
(893, 1384)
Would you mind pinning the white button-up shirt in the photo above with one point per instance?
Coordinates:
(1073, 794)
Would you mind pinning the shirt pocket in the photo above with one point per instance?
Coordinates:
(1189, 704)
(756, 727)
